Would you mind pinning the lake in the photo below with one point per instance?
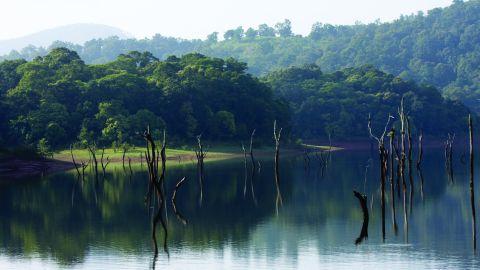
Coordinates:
(61, 222)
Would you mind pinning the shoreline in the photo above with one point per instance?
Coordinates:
(14, 168)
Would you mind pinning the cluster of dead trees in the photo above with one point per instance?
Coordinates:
(396, 160)
(156, 161)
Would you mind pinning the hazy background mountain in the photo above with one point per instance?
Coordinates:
(73, 33)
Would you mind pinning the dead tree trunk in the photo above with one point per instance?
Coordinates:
(84, 166)
(157, 182)
(252, 159)
(253, 171)
(472, 190)
(392, 184)
(104, 165)
(449, 156)
(410, 162)
(174, 205)
(276, 136)
(306, 160)
(93, 149)
(200, 154)
(420, 149)
(245, 171)
(402, 115)
(419, 161)
(124, 149)
(383, 157)
(74, 162)
(130, 166)
(363, 203)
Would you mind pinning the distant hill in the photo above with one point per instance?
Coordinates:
(73, 33)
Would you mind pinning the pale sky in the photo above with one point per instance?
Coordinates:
(197, 18)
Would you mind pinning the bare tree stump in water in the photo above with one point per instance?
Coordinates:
(363, 203)
(472, 190)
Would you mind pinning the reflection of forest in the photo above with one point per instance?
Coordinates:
(64, 218)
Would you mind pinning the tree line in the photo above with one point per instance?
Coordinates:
(56, 100)
(439, 48)
(59, 100)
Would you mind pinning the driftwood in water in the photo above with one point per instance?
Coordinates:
(392, 184)
(74, 162)
(174, 205)
(383, 157)
(363, 203)
(276, 136)
(472, 190)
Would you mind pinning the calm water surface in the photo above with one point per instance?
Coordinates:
(59, 222)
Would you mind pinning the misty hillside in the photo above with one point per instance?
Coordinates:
(73, 33)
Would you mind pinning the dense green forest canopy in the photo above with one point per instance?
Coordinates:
(441, 48)
(58, 99)
(339, 103)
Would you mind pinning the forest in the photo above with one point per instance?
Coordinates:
(440, 48)
(58, 100)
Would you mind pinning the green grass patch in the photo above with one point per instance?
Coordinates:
(135, 153)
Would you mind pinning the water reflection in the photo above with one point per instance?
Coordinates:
(57, 222)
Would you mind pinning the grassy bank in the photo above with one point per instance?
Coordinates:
(137, 154)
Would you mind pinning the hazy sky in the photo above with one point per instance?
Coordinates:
(197, 18)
